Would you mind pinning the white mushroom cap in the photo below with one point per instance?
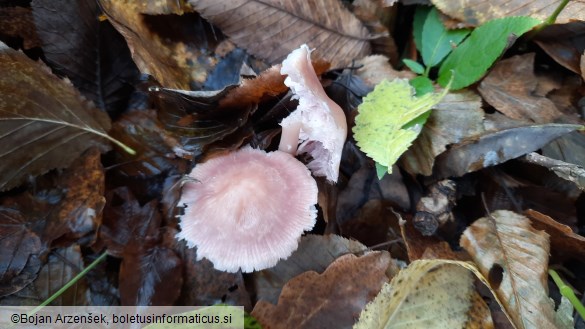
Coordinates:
(247, 209)
(318, 123)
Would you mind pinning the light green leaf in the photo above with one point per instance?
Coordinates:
(381, 170)
(414, 66)
(437, 41)
(385, 125)
(471, 60)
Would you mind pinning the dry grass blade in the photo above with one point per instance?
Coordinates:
(271, 29)
(507, 244)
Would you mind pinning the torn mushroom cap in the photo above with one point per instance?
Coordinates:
(318, 124)
(248, 209)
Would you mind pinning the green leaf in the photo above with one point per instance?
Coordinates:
(384, 125)
(414, 66)
(420, 15)
(381, 170)
(422, 85)
(437, 41)
(471, 60)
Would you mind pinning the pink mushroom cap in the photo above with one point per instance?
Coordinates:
(318, 123)
(247, 209)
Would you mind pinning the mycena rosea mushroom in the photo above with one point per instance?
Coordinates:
(247, 209)
(318, 125)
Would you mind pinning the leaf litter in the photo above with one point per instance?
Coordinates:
(494, 171)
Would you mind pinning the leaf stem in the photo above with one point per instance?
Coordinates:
(553, 17)
(568, 293)
(71, 282)
(124, 147)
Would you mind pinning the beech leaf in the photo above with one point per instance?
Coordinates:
(271, 29)
(44, 122)
(390, 118)
(426, 294)
(507, 243)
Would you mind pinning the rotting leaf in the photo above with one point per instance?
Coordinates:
(127, 226)
(89, 52)
(510, 88)
(312, 300)
(35, 103)
(79, 212)
(17, 21)
(493, 148)
(21, 248)
(328, 26)
(565, 43)
(427, 294)
(152, 277)
(315, 253)
(477, 12)
(507, 240)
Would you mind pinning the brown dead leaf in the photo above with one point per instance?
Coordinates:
(79, 212)
(152, 277)
(315, 253)
(457, 117)
(162, 7)
(564, 242)
(21, 248)
(418, 246)
(173, 64)
(510, 88)
(565, 43)
(18, 22)
(492, 148)
(333, 299)
(377, 16)
(89, 52)
(375, 68)
(272, 29)
(44, 122)
(514, 258)
(477, 12)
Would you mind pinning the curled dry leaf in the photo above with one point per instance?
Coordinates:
(492, 148)
(315, 253)
(44, 122)
(312, 300)
(169, 63)
(427, 294)
(336, 33)
(565, 43)
(505, 246)
(510, 88)
(477, 12)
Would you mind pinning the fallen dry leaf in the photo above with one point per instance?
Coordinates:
(564, 242)
(427, 294)
(35, 103)
(19, 261)
(457, 117)
(513, 256)
(173, 64)
(329, 300)
(79, 212)
(375, 68)
(326, 25)
(565, 43)
(492, 148)
(16, 22)
(89, 52)
(510, 88)
(315, 253)
(477, 12)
